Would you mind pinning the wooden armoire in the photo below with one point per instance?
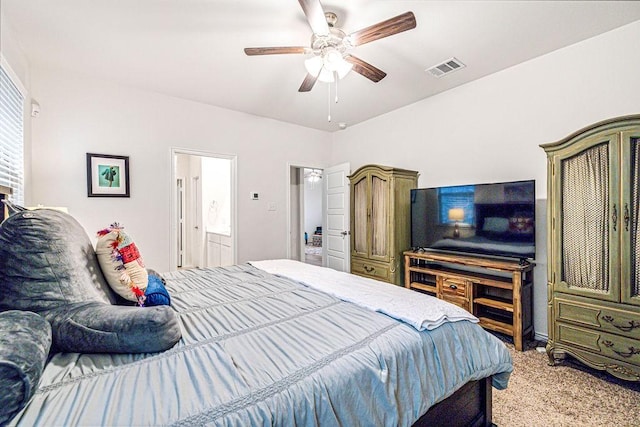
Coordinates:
(381, 221)
(593, 242)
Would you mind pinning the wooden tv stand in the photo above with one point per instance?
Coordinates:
(497, 292)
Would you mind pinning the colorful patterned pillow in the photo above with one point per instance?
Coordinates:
(121, 263)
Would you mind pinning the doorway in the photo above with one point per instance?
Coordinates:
(203, 209)
(305, 215)
(312, 215)
(318, 216)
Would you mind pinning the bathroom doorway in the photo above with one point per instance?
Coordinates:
(203, 209)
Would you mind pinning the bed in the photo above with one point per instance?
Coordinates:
(284, 343)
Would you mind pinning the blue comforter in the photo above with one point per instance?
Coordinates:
(259, 349)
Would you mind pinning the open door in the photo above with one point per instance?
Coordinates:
(336, 218)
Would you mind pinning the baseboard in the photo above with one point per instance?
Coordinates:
(541, 337)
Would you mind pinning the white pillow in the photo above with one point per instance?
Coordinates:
(496, 224)
(121, 263)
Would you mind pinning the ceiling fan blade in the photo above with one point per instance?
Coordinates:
(315, 16)
(398, 24)
(308, 83)
(364, 68)
(251, 51)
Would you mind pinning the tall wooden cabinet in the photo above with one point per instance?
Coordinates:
(380, 221)
(594, 247)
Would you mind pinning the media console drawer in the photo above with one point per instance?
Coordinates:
(454, 288)
(455, 291)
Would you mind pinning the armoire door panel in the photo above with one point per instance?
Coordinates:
(360, 213)
(630, 217)
(588, 223)
(379, 218)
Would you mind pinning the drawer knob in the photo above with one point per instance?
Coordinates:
(632, 350)
(632, 324)
(453, 287)
(369, 269)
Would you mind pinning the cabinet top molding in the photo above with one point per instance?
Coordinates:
(388, 169)
(617, 124)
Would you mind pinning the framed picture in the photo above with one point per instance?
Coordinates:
(107, 176)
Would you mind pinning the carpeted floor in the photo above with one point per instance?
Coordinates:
(568, 394)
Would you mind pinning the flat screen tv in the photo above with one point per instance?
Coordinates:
(496, 220)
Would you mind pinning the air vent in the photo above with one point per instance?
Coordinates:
(446, 67)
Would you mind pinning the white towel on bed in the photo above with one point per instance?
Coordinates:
(418, 310)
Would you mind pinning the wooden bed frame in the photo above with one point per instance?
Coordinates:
(468, 406)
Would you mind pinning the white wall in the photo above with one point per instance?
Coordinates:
(11, 50)
(490, 130)
(80, 115)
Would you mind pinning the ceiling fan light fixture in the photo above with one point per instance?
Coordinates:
(325, 65)
(330, 45)
(313, 175)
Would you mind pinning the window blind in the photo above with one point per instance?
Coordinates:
(11, 137)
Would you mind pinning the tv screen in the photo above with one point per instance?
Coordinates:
(485, 219)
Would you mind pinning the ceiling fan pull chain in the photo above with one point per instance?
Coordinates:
(329, 103)
(335, 77)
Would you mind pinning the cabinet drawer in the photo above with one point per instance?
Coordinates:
(453, 288)
(605, 319)
(605, 344)
(370, 269)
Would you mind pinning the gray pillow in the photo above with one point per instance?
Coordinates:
(25, 339)
(47, 260)
(48, 265)
(93, 327)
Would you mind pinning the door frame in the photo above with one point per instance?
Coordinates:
(173, 204)
(181, 230)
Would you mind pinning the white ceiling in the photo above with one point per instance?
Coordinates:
(193, 49)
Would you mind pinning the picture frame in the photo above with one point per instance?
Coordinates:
(107, 175)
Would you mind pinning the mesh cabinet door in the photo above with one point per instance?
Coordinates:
(630, 226)
(586, 215)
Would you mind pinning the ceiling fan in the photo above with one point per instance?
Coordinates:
(330, 45)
